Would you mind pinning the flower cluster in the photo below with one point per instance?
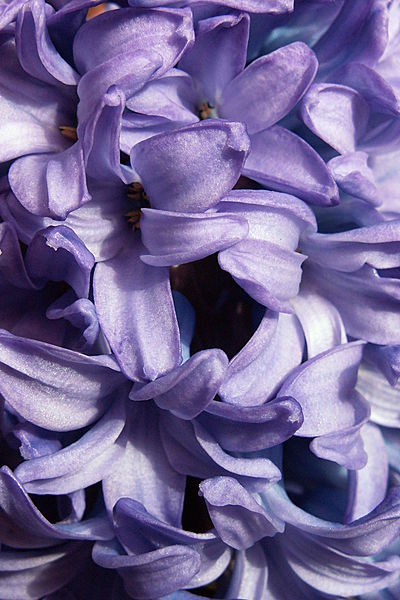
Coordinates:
(199, 299)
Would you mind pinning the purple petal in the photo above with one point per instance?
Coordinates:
(80, 464)
(171, 96)
(320, 320)
(248, 429)
(353, 176)
(36, 51)
(367, 486)
(195, 452)
(332, 572)
(337, 114)
(12, 266)
(31, 107)
(208, 158)
(34, 574)
(55, 388)
(153, 574)
(312, 388)
(143, 472)
(278, 343)
(82, 315)
(283, 161)
(250, 574)
(175, 238)
(256, 6)
(138, 317)
(269, 87)
(267, 272)
(376, 245)
(166, 31)
(51, 184)
(189, 389)
(57, 254)
(383, 398)
(239, 519)
(23, 526)
(218, 54)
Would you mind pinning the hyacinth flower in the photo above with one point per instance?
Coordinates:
(212, 82)
(49, 159)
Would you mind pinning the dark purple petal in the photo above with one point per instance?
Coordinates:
(217, 55)
(195, 165)
(256, 6)
(187, 390)
(55, 388)
(337, 114)
(136, 312)
(174, 238)
(268, 89)
(283, 161)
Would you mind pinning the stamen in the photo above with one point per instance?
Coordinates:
(94, 11)
(138, 196)
(205, 111)
(68, 132)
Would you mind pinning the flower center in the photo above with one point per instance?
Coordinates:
(205, 111)
(139, 199)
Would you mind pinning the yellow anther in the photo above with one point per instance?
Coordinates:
(68, 132)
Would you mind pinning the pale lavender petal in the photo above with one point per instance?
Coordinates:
(278, 343)
(383, 398)
(267, 272)
(208, 158)
(353, 176)
(51, 184)
(171, 96)
(337, 114)
(367, 486)
(376, 245)
(328, 378)
(53, 387)
(138, 317)
(143, 472)
(283, 161)
(269, 87)
(250, 574)
(36, 51)
(320, 320)
(173, 238)
(80, 464)
(193, 451)
(238, 518)
(153, 574)
(218, 54)
(49, 108)
(23, 526)
(166, 31)
(248, 429)
(189, 389)
(57, 254)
